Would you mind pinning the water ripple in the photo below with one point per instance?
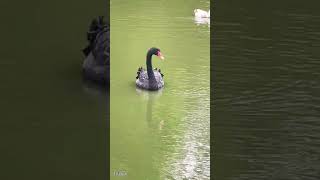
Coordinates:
(266, 95)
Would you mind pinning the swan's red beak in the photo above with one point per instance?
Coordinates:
(160, 55)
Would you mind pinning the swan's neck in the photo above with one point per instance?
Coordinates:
(149, 67)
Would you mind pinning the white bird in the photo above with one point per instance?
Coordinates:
(198, 13)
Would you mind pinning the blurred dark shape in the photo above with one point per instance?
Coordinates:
(97, 53)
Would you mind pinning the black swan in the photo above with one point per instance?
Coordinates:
(97, 53)
(152, 79)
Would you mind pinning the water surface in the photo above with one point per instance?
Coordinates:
(266, 98)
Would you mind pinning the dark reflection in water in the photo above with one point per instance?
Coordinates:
(266, 101)
(151, 97)
(95, 89)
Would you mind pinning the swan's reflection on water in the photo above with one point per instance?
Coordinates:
(94, 89)
(150, 96)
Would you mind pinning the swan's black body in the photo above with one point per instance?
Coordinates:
(97, 62)
(152, 79)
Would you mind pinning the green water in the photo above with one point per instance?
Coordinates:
(52, 124)
(266, 96)
(165, 134)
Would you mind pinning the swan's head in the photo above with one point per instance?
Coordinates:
(156, 51)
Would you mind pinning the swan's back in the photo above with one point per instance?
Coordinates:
(143, 80)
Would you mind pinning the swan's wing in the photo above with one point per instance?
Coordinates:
(159, 78)
(143, 80)
(143, 76)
